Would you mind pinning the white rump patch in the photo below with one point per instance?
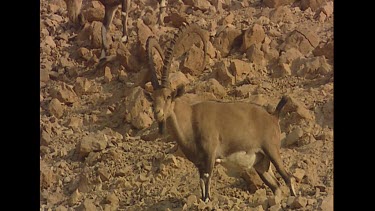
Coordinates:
(238, 162)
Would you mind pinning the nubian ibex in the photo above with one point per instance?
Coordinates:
(237, 135)
(110, 6)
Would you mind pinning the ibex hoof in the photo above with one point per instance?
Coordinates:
(207, 200)
(292, 188)
(124, 39)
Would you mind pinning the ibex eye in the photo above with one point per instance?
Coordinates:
(168, 97)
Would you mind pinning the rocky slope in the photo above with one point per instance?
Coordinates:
(99, 149)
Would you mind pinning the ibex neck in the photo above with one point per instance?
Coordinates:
(179, 123)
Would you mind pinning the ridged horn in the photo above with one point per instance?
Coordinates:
(150, 44)
(183, 31)
(169, 55)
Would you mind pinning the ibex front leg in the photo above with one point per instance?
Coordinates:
(124, 14)
(205, 173)
(108, 16)
(163, 7)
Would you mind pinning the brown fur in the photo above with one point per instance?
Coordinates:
(233, 132)
(238, 135)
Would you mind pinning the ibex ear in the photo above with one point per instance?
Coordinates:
(148, 95)
(180, 90)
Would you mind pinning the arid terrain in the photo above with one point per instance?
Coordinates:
(99, 146)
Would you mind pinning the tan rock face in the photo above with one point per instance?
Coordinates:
(222, 74)
(226, 39)
(56, 108)
(254, 35)
(100, 147)
(193, 61)
(138, 109)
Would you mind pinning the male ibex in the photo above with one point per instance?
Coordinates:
(238, 135)
(75, 15)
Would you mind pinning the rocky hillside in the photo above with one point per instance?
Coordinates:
(99, 147)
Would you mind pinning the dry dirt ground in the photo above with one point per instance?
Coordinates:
(99, 149)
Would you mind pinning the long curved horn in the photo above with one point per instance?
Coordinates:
(183, 31)
(150, 44)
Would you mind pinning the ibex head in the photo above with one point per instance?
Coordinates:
(163, 102)
(163, 96)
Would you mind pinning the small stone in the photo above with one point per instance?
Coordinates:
(143, 178)
(293, 136)
(299, 202)
(226, 39)
(49, 41)
(61, 208)
(193, 61)
(245, 90)
(112, 199)
(87, 205)
(312, 4)
(138, 110)
(95, 30)
(75, 123)
(104, 174)
(327, 8)
(82, 86)
(65, 62)
(95, 12)
(290, 200)
(274, 200)
(240, 69)
(254, 35)
(212, 86)
(276, 207)
(55, 108)
(123, 76)
(277, 3)
(321, 17)
(92, 143)
(45, 138)
(281, 14)
(221, 73)
(84, 53)
(74, 198)
(47, 177)
(299, 174)
(44, 75)
(311, 201)
(228, 19)
(107, 75)
(327, 203)
(67, 179)
(191, 200)
(256, 55)
(65, 94)
(178, 78)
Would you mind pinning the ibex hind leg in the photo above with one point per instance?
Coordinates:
(124, 14)
(274, 155)
(162, 7)
(108, 16)
(264, 170)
